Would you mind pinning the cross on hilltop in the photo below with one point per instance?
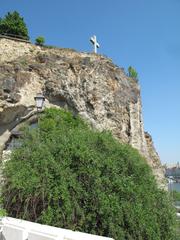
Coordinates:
(93, 40)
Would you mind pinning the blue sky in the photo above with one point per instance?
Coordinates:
(141, 33)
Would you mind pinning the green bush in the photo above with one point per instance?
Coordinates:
(132, 73)
(13, 24)
(175, 195)
(40, 41)
(68, 175)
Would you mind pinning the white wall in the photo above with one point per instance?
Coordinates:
(17, 229)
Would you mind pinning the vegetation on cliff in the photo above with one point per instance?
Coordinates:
(132, 73)
(40, 41)
(68, 175)
(13, 25)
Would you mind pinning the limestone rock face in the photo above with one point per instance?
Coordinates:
(88, 84)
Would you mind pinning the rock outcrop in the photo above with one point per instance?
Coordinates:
(88, 84)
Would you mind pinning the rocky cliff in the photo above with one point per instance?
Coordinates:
(88, 84)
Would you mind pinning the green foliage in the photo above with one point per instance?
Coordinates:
(175, 195)
(178, 229)
(40, 41)
(13, 24)
(51, 47)
(2, 211)
(67, 175)
(132, 73)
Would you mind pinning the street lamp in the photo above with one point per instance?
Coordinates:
(39, 99)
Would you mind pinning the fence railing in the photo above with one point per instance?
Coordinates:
(14, 37)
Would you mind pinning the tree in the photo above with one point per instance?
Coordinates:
(67, 175)
(132, 73)
(13, 24)
(40, 41)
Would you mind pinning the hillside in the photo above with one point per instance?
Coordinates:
(88, 84)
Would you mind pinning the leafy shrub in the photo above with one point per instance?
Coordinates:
(175, 195)
(67, 175)
(40, 41)
(132, 73)
(13, 24)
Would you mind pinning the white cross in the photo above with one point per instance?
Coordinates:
(95, 43)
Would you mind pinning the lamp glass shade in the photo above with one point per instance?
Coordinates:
(39, 101)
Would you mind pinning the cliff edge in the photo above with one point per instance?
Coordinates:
(88, 84)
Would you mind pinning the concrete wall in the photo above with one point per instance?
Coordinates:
(17, 229)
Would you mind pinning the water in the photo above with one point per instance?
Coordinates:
(174, 186)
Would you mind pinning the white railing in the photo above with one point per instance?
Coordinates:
(16, 229)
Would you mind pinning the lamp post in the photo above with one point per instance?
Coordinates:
(39, 99)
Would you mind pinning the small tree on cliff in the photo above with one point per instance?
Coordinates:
(67, 175)
(13, 24)
(132, 73)
(40, 41)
